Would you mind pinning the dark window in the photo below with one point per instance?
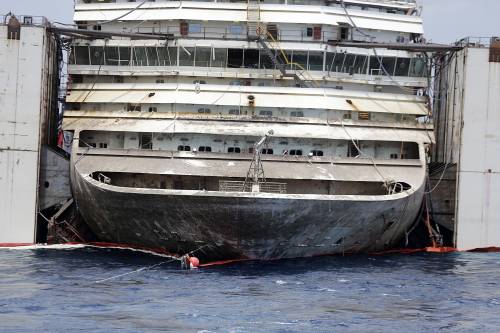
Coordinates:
(167, 56)
(112, 57)
(125, 54)
(297, 114)
(344, 33)
(352, 150)
(203, 55)
(82, 55)
(133, 107)
(295, 152)
(184, 148)
(317, 152)
(234, 150)
(204, 110)
(146, 141)
(234, 112)
(205, 149)
(96, 55)
(402, 67)
(153, 109)
(103, 145)
(266, 113)
(267, 151)
(234, 58)
(251, 58)
(309, 32)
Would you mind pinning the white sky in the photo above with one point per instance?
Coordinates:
(445, 20)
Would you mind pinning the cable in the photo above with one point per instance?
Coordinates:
(374, 50)
(106, 22)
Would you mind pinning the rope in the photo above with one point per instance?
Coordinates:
(151, 267)
(109, 21)
(374, 50)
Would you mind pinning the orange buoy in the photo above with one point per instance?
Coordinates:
(194, 262)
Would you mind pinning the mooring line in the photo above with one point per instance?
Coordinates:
(150, 267)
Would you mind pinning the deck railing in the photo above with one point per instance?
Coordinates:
(241, 186)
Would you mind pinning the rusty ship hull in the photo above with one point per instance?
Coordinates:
(245, 225)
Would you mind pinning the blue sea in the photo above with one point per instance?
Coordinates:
(105, 290)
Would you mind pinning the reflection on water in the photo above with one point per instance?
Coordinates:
(55, 290)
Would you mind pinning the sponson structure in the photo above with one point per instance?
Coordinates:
(254, 129)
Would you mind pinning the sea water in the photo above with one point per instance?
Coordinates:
(105, 290)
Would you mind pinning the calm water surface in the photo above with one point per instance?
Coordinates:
(47, 290)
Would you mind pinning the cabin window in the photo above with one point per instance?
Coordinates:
(184, 148)
(394, 156)
(234, 150)
(266, 113)
(234, 112)
(298, 114)
(133, 107)
(402, 67)
(160, 81)
(146, 141)
(125, 55)
(205, 149)
(186, 56)
(315, 62)
(195, 28)
(103, 145)
(153, 109)
(295, 152)
(203, 55)
(344, 33)
(317, 152)
(347, 115)
(199, 82)
(204, 110)
(167, 56)
(352, 149)
(267, 151)
(235, 29)
(234, 58)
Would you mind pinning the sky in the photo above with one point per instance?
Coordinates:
(445, 21)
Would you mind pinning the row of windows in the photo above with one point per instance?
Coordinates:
(353, 152)
(262, 113)
(247, 58)
(264, 151)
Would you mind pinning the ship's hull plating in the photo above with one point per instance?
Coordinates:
(245, 225)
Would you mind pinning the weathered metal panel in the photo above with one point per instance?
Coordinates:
(234, 95)
(23, 70)
(197, 11)
(54, 175)
(248, 128)
(478, 194)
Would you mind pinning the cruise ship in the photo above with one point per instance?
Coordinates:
(249, 129)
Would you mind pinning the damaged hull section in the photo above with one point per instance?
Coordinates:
(245, 225)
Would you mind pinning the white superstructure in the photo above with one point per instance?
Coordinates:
(182, 112)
